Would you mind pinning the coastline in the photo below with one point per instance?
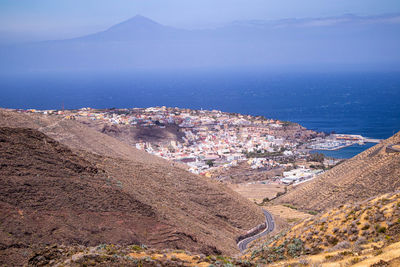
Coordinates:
(345, 153)
(343, 103)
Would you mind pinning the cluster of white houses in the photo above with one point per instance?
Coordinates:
(211, 139)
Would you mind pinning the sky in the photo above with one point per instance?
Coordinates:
(52, 19)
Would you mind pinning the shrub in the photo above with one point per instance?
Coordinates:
(378, 252)
(355, 260)
(136, 248)
(352, 238)
(360, 241)
(295, 247)
(342, 245)
(304, 262)
(365, 226)
(332, 239)
(380, 229)
(290, 206)
(336, 257)
(346, 253)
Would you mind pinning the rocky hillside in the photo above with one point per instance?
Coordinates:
(76, 135)
(372, 172)
(63, 183)
(49, 195)
(362, 234)
(117, 255)
(132, 135)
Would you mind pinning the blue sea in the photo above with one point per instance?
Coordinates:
(365, 103)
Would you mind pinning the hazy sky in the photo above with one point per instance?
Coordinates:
(68, 18)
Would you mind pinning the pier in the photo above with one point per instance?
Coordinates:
(339, 141)
(355, 138)
(370, 140)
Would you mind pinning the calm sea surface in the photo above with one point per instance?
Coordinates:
(353, 103)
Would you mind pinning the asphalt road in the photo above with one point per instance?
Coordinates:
(270, 227)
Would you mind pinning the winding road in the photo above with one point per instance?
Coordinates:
(242, 245)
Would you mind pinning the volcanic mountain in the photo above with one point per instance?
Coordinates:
(133, 29)
(140, 42)
(370, 173)
(64, 183)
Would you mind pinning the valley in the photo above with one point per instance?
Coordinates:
(79, 192)
(174, 207)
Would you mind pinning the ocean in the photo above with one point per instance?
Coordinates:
(365, 103)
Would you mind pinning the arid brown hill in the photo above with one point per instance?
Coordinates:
(50, 195)
(80, 186)
(372, 172)
(363, 234)
(132, 135)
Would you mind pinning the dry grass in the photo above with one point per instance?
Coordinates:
(389, 254)
(257, 192)
(363, 233)
(288, 214)
(187, 260)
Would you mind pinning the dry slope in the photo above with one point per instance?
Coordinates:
(48, 195)
(364, 233)
(372, 172)
(172, 208)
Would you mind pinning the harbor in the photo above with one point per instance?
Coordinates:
(340, 141)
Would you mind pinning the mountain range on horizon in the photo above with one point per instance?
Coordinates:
(140, 42)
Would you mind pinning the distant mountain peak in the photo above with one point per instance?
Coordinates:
(136, 28)
(136, 22)
(140, 17)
